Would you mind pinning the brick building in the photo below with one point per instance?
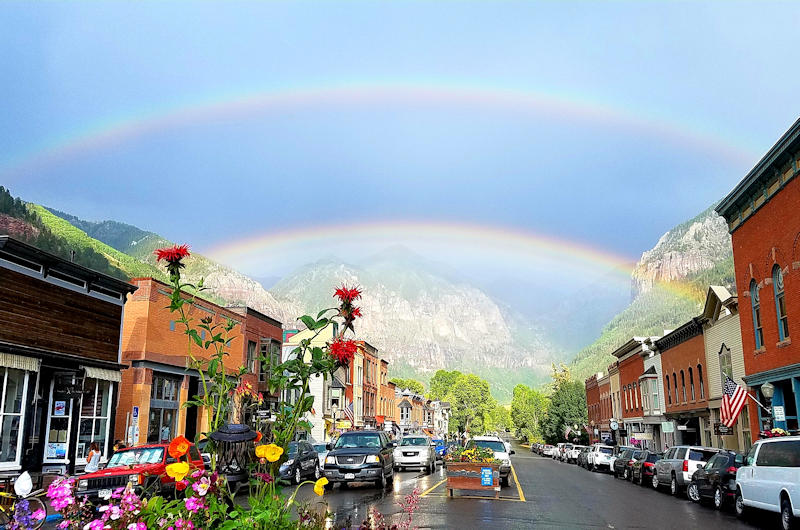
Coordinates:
(593, 405)
(616, 407)
(157, 382)
(602, 428)
(59, 359)
(683, 363)
(631, 367)
(386, 405)
(371, 387)
(762, 215)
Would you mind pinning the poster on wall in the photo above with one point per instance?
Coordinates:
(55, 451)
(59, 408)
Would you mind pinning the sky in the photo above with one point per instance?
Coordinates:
(593, 126)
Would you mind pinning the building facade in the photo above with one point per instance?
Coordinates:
(631, 367)
(722, 336)
(593, 405)
(616, 408)
(371, 384)
(762, 216)
(683, 363)
(157, 382)
(60, 327)
(651, 388)
(601, 430)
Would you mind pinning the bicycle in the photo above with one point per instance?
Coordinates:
(9, 501)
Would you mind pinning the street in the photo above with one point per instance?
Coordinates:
(556, 495)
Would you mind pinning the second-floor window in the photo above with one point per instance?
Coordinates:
(271, 352)
(251, 356)
(780, 302)
(675, 385)
(683, 386)
(700, 381)
(691, 382)
(725, 368)
(666, 388)
(405, 414)
(756, 306)
(655, 404)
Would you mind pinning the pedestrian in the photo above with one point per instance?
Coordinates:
(93, 458)
(119, 444)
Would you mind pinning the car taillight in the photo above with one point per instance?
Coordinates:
(685, 466)
(648, 464)
(732, 470)
(630, 462)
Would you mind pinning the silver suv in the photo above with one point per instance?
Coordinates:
(679, 464)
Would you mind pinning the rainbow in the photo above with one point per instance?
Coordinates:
(117, 130)
(483, 237)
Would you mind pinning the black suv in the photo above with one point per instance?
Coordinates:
(361, 456)
(717, 479)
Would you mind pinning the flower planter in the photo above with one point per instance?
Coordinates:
(473, 476)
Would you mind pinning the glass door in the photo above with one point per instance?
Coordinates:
(59, 423)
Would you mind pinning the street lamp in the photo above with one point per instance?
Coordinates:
(334, 412)
(768, 391)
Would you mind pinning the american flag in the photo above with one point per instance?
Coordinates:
(348, 412)
(733, 399)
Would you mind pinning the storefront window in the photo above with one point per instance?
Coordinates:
(164, 402)
(15, 384)
(95, 413)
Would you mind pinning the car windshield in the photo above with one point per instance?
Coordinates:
(653, 458)
(414, 441)
(320, 448)
(293, 448)
(700, 455)
(137, 456)
(606, 450)
(358, 440)
(497, 447)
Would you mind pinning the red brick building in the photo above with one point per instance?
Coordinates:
(763, 215)
(683, 368)
(601, 429)
(371, 385)
(593, 404)
(631, 367)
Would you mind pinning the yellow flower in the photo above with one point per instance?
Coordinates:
(271, 452)
(178, 470)
(319, 486)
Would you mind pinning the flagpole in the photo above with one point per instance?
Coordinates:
(758, 403)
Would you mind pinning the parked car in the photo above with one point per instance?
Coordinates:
(623, 464)
(770, 479)
(441, 448)
(618, 450)
(717, 479)
(534, 448)
(571, 456)
(582, 459)
(143, 466)
(322, 452)
(361, 456)
(416, 450)
(679, 464)
(565, 449)
(500, 452)
(599, 457)
(644, 467)
(547, 450)
(301, 461)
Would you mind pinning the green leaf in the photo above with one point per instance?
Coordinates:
(193, 334)
(308, 321)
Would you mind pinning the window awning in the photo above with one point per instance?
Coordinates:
(102, 373)
(20, 362)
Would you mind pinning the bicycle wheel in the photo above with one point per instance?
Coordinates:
(34, 504)
(5, 515)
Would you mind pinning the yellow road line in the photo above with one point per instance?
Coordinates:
(488, 498)
(519, 488)
(433, 487)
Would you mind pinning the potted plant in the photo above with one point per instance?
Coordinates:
(475, 468)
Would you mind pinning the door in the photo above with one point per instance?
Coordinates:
(59, 422)
(663, 466)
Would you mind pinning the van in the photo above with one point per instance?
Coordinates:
(769, 479)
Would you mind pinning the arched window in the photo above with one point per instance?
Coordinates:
(780, 302)
(756, 305)
(636, 394)
(666, 387)
(625, 390)
(700, 380)
(691, 382)
(683, 386)
(675, 384)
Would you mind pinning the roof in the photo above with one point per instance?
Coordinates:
(777, 155)
(717, 295)
(249, 311)
(27, 256)
(682, 334)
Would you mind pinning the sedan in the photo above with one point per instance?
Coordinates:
(644, 467)
(302, 462)
(716, 480)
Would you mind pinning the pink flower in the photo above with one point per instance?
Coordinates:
(193, 504)
(96, 524)
(137, 526)
(201, 486)
(39, 514)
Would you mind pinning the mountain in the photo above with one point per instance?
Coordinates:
(424, 320)
(669, 284)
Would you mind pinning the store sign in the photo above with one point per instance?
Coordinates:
(667, 426)
(623, 432)
(779, 413)
(642, 436)
(486, 476)
(721, 430)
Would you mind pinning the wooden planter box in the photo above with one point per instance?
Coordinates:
(472, 476)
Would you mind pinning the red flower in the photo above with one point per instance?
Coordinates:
(347, 295)
(181, 485)
(172, 255)
(343, 350)
(356, 312)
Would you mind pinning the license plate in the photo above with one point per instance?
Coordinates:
(104, 494)
(409, 454)
(349, 476)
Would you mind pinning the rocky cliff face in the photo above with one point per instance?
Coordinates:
(690, 248)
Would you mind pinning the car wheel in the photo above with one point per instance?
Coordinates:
(317, 472)
(741, 509)
(787, 516)
(693, 492)
(719, 500)
(390, 480)
(654, 481)
(433, 467)
(673, 486)
(382, 482)
(298, 477)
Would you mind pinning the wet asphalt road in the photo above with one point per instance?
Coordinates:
(556, 495)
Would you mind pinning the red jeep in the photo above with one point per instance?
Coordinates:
(143, 466)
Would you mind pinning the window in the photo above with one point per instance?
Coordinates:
(172, 325)
(779, 454)
(656, 404)
(271, 357)
(636, 393)
(683, 386)
(756, 305)
(691, 382)
(405, 414)
(675, 384)
(15, 386)
(95, 412)
(700, 380)
(251, 356)
(666, 387)
(725, 369)
(626, 398)
(780, 302)
(645, 394)
(164, 397)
